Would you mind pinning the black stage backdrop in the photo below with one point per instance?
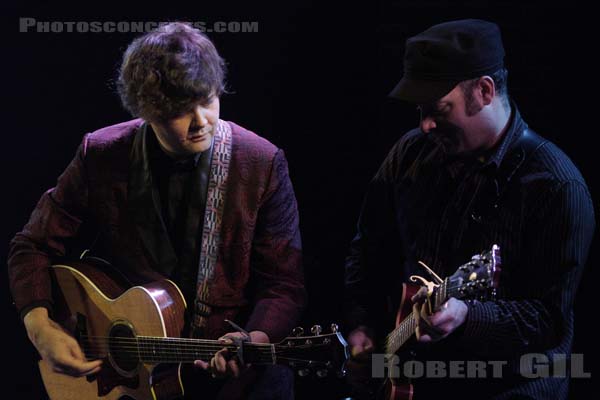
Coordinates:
(313, 80)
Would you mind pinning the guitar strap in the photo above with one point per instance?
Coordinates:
(211, 230)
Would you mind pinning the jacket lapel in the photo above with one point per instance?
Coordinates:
(144, 206)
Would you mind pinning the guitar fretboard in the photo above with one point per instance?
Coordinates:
(155, 350)
(406, 329)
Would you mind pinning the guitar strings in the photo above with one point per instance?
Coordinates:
(106, 347)
(165, 342)
(167, 360)
(142, 349)
(128, 355)
(133, 343)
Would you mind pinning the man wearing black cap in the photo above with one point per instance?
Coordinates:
(472, 175)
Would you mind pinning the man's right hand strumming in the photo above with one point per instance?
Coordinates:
(361, 342)
(56, 346)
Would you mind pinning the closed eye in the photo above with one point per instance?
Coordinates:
(432, 112)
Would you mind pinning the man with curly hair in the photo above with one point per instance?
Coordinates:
(175, 193)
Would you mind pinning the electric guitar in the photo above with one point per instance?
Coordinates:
(135, 331)
(477, 279)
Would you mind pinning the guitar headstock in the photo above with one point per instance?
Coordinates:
(477, 279)
(321, 354)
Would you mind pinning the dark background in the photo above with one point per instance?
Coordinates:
(313, 80)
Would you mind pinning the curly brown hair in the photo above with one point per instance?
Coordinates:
(166, 71)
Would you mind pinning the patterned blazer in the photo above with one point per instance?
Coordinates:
(107, 188)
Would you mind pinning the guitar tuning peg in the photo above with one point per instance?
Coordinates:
(322, 373)
(335, 328)
(316, 330)
(303, 372)
(298, 331)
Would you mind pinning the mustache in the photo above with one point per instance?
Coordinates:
(446, 130)
(198, 129)
(447, 136)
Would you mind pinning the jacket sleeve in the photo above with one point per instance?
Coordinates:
(55, 220)
(374, 262)
(276, 261)
(366, 268)
(539, 315)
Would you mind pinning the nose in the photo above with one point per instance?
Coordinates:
(200, 116)
(427, 124)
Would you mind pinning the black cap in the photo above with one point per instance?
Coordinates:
(436, 60)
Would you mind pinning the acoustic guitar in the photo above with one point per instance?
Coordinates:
(136, 332)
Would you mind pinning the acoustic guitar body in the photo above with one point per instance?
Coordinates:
(92, 304)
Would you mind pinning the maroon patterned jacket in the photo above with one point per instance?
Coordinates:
(108, 186)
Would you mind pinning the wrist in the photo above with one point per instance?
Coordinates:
(463, 312)
(259, 337)
(36, 318)
(364, 329)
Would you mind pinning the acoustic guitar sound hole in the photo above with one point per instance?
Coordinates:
(123, 348)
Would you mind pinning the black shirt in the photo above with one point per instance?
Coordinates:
(182, 186)
(425, 205)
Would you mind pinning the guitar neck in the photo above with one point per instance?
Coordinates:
(155, 350)
(400, 334)
(406, 329)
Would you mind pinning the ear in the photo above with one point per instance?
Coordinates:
(485, 90)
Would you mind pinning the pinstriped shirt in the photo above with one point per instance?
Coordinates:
(424, 205)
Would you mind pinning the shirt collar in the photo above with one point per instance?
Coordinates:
(514, 131)
(490, 159)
